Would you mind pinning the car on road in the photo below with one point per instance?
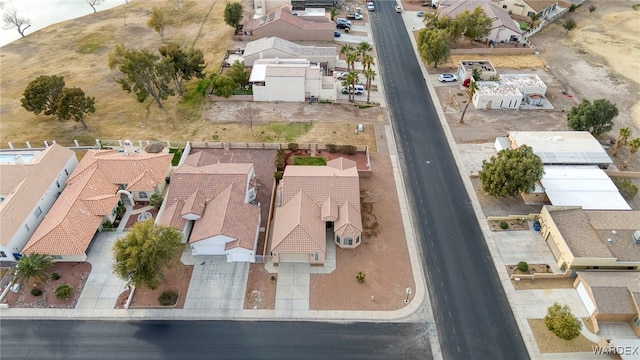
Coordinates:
(398, 9)
(343, 26)
(336, 34)
(447, 78)
(371, 7)
(420, 13)
(358, 89)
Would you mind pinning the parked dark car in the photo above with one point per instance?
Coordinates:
(343, 26)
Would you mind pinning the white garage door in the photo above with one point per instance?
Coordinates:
(294, 258)
(586, 300)
(208, 250)
(239, 257)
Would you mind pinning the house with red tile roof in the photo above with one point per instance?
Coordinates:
(316, 204)
(91, 198)
(29, 185)
(213, 204)
(285, 25)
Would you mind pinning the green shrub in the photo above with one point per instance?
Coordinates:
(504, 225)
(348, 149)
(278, 175)
(293, 146)
(523, 266)
(55, 276)
(627, 189)
(156, 201)
(63, 291)
(360, 277)
(177, 154)
(312, 161)
(332, 148)
(168, 298)
(36, 292)
(281, 157)
(562, 322)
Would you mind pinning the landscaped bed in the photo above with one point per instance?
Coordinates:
(549, 343)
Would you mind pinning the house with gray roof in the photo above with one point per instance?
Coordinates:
(316, 204)
(610, 296)
(30, 183)
(285, 25)
(213, 204)
(592, 239)
(503, 27)
(275, 47)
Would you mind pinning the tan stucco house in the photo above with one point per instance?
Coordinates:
(316, 204)
(30, 183)
(592, 239)
(275, 47)
(285, 25)
(213, 204)
(100, 181)
(610, 296)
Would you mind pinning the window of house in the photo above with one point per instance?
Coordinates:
(38, 212)
(3, 254)
(347, 241)
(636, 321)
(337, 239)
(316, 257)
(504, 6)
(27, 227)
(358, 240)
(530, 13)
(56, 257)
(66, 172)
(143, 195)
(58, 183)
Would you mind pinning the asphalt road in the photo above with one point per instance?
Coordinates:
(473, 317)
(51, 340)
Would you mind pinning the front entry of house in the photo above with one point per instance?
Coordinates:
(292, 257)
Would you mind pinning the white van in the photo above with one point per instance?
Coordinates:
(358, 89)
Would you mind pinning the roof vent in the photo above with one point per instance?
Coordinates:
(610, 240)
(614, 232)
(636, 237)
(128, 147)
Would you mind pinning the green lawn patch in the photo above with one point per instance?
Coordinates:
(282, 132)
(242, 91)
(312, 161)
(177, 154)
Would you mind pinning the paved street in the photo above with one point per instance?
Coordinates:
(471, 311)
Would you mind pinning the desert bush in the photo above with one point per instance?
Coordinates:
(278, 175)
(360, 277)
(156, 201)
(55, 276)
(36, 292)
(63, 291)
(348, 149)
(293, 146)
(168, 298)
(332, 148)
(523, 266)
(504, 225)
(280, 160)
(627, 189)
(562, 322)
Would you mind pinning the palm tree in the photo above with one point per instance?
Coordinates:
(471, 90)
(370, 74)
(352, 57)
(334, 11)
(367, 61)
(634, 145)
(364, 48)
(621, 140)
(534, 17)
(350, 82)
(32, 266)
(346, 49)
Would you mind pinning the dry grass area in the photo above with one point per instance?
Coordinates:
(261, 289)
(500, 61)
(541, 284)
(78, 50)
(549, 343)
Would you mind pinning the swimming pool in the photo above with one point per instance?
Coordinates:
(9, 158)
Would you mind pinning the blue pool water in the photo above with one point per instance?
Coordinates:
(10, 158)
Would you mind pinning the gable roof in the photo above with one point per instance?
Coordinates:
(25, 184)
(298, 227)
(499, 17)
(283, 14)
(90, 194)
(216, 192)
(267, 43)
(539, 5)
(350, 222)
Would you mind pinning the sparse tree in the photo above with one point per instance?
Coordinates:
(634, 146)
(569, 25)
(93, 4)
(596, 117)
(10, 20)
(183, 65)
(233, 15)
(223, 85)
(351, 58)
(592, 8)
(74, 104)
(627, 189)
(471, 91)
(364, 48)
(434, 21)
(238, 73)
(158, 21)
(560, 321)
(32, 266)
(367, 60)
(333, 12)
(511, 172)
(43, 94)
(621, 140)
(370, 75)
(349, 82)
(145, 73)
(142, 255)
(474, 25)
(346, 49)
(534, 17)
(156, 200)
(434, 46)
(249, 115)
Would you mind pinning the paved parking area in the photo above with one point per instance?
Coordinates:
(216, 284)
(529, 246)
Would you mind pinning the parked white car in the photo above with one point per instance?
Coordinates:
(370, 6)
(447, 78)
